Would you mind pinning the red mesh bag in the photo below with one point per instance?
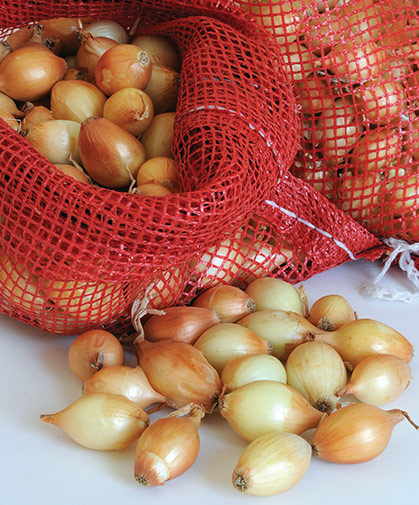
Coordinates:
(355, 74)
(74, 256)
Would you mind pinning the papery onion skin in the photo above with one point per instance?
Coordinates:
(179, 372)
(157, 138)
(272, 464)
(161, 50)
(101, 421)
(109, 29)
(330, 312)
(110, 155)
(162, 170)
(30, 72)
(355, 433)
(73, 172)
(166, 449)
(90, 51)
(262, 407)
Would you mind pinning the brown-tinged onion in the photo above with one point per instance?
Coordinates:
(73, 172)
(162, 170)
(163, 88)
(157, 138)
(90, 50)
(161, 49)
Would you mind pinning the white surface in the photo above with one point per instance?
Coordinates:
(40, 465)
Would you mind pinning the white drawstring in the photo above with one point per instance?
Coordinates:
(406, 263)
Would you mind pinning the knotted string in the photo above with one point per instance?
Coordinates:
(406, 263)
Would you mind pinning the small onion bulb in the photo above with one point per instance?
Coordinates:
(330, 312)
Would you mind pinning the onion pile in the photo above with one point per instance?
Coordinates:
(354, 66)
(272, 367)
(84, 92)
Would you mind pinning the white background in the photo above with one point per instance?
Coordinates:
(40, 465)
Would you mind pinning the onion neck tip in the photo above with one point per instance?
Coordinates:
(142, 479)
(240, 482)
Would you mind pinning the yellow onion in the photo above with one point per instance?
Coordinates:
(109, 29)
(179, 372)
(163, 88)
(299, 60)
(322, 32)
(65, 30)
(339, 128)
(131, 109)
(161, 49)
(355, 433)
(317, 371)
(263, 407)
(378, 379)
(91, 49)
(162, 170)
(9, 119)
(313, 95)
(183, 323)
(167, 448)
(76, 100)
(377, 149)
(272, 464)
(34, 114)
(20, 37)
(88, 301)
(9, 105)
(284, 330)
(226, 341)
(276, 294)
(110, 155)
(19, 287)
(123, 66)
(152, 189)
(57, 140)
(30, 72)
(166, 288)
(79, 74)
(251, 368)
(382, 101)
(330, 312)
(126, 381)
(402, 193)
(157, 138)
(361, 338)
(101, 421)
(73, 172)
(230, 302)
(93, 350)
(5, 49)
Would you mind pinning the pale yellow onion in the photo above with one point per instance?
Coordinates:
(272, 464)
(152, 189)
(355, 433)
(226, 341)
(179, 372)
(160, 169)
(9, 119)
(166, 288)
(123, 66)
(110, 155)
(34, 114)
(167, 448)
(317, 371)
(376, 150)
(157, 138)
(126, 381)
(57, 140)
(378, 379)
(73, 172)
(30, 72)
(76, 100)
(183, 323)
(109, 29)
(91, 49)
(20, 287)
(402, 193)
(251, 368)
(9, 105)
(219, 264)
(230, 302)
(89, 301)
(277, 294)
(340, 128)
(101, 421)
(361, 338)
(284, 330)
(263, 407)
(92, 350)
(321, 32)
(161, 49)
(163, 88)
(66, 30)
(131, 109)
(330, 312)
(354, 61)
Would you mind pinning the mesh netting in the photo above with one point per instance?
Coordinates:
(355, 73)
(74, 256)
